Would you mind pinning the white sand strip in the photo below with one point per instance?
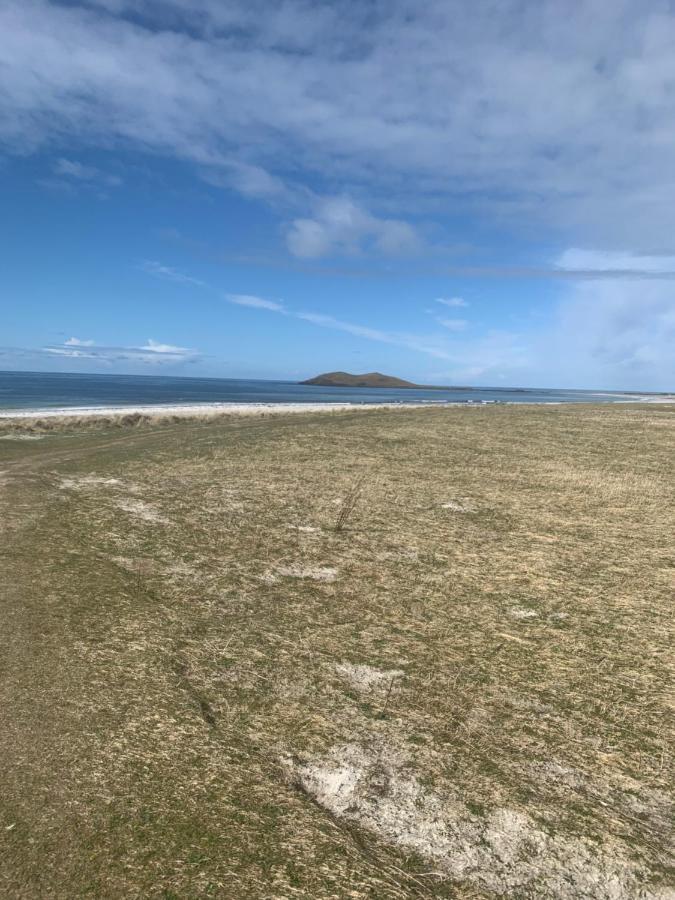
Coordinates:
(207, 409)
(202, 410)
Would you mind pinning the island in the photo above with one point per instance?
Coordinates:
(369, 380)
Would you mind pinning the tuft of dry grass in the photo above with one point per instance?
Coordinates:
(349, 503)
(207, 691)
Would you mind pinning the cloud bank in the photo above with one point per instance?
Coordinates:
(152, 353)
(514, 112)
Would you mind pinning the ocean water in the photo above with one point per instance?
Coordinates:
(46, 390)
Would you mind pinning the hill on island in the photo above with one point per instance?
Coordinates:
(370, 379)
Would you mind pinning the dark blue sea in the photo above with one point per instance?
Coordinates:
(44, 391)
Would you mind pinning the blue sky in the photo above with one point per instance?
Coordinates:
(449, 192)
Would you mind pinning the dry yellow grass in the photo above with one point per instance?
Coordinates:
(465, 691)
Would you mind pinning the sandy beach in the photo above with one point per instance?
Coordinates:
(208, 410)
(205, 409)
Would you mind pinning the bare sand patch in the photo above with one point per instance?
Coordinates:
(503, 851)
(141, 510)
(21, 437)
(268, 578)
(315, 573)
(463, 505)
(520, 612)
(367, 678)
(82, 482)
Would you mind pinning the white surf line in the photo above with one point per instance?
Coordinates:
(253, 409)
(243, 409)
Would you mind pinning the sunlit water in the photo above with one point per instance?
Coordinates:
(40, 390)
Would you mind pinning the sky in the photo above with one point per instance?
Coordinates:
(454, 193)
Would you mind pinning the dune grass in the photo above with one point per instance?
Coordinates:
(420, 653)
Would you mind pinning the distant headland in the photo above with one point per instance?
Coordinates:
(368, 380)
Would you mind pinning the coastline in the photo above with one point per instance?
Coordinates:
(215, 410)
(203, 409)
(261, 409)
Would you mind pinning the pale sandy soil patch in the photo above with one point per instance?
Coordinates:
(179, 569)
(519, 612)
(503, 851)
(21, 437)
(618, 791)
(268, 578)
(366, 678)
(459, 504)
(141, 510)
(82, 482)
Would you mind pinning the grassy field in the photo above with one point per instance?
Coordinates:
(421, 653)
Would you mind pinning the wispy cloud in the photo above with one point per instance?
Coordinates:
(249, 180)
(77, 171)
(255, 302)
(495, 110)
(411, 342)
(168, 273)
(164, 349)
(152, 353)
(453, 324)
(613, 264)
(427, 346)
(453, 302)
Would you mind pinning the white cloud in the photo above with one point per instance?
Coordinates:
(152, 353)
(453, 324)
(152, 267)
(308, 239)
(69, 352)
(340, 225)
(515, 113)
(613, 263)
(76, 342)
(614, 333)
(421, 344)
(255, 302)
(77, 171)
(155, 347)
(453, 302)
(412, 342)
(247, 179)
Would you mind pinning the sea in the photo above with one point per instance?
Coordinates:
(42, 391)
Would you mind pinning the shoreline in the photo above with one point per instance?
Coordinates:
(201, 410)
(205, 409)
